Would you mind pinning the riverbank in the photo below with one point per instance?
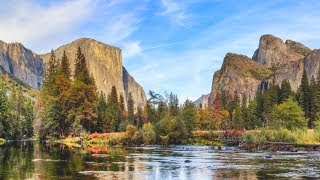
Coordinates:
(255, 140)
(207, 138)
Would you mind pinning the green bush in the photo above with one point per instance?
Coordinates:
(317, 131)
(148, 133)
(285, 135)
(137, 138)
(2, 141)
(264, 136)
(288, 115)
(248, 138)
(128, 135)
(177, 131)
(115, 140)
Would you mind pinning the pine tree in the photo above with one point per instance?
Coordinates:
(312, 102)
(113, 110)
(102, 124)
(140, 118)
(173, 104)
(217, 108)
(5, 124)
(150, 111)
(123, 112)
(285, 91)
(131, 116)
(304, 96)
(51, 68)
(189, 116)
(65, 66)
(237, 121)
(83, 97)
(317, 96)
(162, 110)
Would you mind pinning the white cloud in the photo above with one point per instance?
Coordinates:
(119, 26)
(27, 21)
(131, 49)
(175, 11)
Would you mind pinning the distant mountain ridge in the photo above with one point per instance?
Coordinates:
(273, 62)
(104, 63)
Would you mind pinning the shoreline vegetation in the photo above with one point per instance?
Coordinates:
(251, 140)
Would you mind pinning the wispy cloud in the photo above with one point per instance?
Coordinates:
(176, 11)
(27, 21)
(131, 49)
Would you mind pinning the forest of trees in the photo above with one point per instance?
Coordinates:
(273, 107)
(16, 111)
(70, 105)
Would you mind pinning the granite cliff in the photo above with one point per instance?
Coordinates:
(273, 62)
(105, 64)
(22, 63)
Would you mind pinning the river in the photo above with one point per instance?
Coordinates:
(32, 160)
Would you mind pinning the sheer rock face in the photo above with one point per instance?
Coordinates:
(105, 64)
(22, 63)
(274, 52)
(273, 62)
(131, 86)
(239, 76)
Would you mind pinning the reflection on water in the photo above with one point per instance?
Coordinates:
(31, 160)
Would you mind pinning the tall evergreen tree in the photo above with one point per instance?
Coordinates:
(173, 104)
(131, 116)
(189, 115)
(83, 97)
(123, 112)
(5, 125)
(304, 96)
(65, 66)
(102, 125)
(113, 110)
(285, 91)
(150, 111)
(312, 102)
(51, 68)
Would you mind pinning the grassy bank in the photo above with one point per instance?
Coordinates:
(135, 138)
(283, 135)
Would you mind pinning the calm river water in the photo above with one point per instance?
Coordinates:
(31, 160)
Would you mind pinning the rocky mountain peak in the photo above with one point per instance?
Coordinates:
(298, 47)
(273, 62)
(273, 52)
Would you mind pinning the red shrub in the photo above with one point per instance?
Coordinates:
(98, 135)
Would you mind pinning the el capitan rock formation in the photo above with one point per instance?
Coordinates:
(105, 64)
(273, 62)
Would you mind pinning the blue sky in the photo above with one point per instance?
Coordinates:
(168, 45)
